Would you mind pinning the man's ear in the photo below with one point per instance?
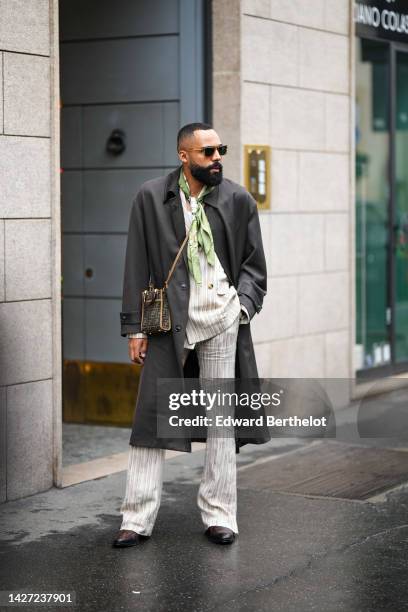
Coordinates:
(182, 156)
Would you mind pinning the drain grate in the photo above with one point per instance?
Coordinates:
(330, 469)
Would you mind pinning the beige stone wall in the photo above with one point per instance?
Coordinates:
(293, 82)
(226, 52)
(28, 300)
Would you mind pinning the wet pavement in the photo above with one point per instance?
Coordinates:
(87, 442)
(293, 553)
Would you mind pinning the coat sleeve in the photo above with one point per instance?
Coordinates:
(252, 279)
(136, 272)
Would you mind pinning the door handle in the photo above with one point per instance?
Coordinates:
(116, 142)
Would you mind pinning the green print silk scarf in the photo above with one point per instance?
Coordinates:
(200, 232)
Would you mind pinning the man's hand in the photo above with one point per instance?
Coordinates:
(137, 350)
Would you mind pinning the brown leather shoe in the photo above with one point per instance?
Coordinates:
(220, 535)
(126, 538)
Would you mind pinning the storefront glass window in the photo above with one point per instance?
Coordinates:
(401, 208)
(372, 197)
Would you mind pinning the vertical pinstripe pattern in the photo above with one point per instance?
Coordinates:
(143, 489)
(217, 494)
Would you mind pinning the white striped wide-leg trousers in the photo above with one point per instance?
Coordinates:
(217, 494)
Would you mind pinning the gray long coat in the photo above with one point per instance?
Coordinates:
(156, 230)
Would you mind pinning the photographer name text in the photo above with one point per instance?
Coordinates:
(230, 421)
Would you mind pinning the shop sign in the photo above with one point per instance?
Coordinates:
(386, 19)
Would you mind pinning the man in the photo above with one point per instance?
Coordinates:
(217, 286)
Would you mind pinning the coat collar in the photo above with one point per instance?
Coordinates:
(172, 190)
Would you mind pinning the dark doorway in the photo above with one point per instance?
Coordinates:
(132, 72)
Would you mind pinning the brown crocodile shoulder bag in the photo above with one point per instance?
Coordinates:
(156, 317)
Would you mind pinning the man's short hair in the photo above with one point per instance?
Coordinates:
(188, 130)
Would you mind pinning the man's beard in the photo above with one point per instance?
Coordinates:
(203, 174)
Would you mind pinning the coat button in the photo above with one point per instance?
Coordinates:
(183, 285)
(210, 285)
(178, 327)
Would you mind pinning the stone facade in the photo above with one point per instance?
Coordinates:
(287, 85)
(28, 299)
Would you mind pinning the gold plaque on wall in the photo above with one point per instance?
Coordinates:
(257, 161)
